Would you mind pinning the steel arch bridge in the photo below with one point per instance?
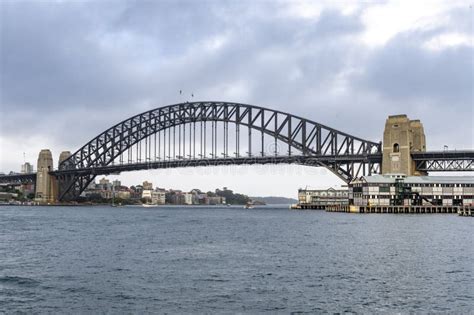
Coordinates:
(215, 133)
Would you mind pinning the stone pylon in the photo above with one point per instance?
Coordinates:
(44, 182)
(63, 156)
(401, 137)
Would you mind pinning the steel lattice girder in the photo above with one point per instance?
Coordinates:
(445, 165)
(444, 160)
(301, 135)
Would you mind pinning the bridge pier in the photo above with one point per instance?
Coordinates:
(45, 183)
(401, 137)
(48, 186)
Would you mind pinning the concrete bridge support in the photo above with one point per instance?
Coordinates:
(44, 190)
(401, 137)
(47, 190)
(63, 156)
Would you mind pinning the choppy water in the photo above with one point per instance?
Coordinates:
(132, 259)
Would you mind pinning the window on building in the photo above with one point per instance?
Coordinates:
(396, 148)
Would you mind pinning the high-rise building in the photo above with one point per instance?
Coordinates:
(26, 168)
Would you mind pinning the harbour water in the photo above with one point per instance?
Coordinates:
(216, 259)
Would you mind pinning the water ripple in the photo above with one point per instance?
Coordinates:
(230, 260)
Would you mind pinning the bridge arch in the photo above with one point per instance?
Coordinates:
(305, 142)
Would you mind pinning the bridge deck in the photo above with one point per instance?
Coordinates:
(297, 159)
(443, 155)
(18, 178)
(429, 161)
(444, 161)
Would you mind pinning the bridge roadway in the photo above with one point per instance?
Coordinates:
(17, 179)
(426, 161)
(297, 159)
(444, 161)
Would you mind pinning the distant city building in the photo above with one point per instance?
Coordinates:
(174, 197)
(26, 168)
(322, 197)
(147, 185)
(200, 199)
(188, 198)
(104, 184)
(158, 197)
(217, 200)
(146, 194)
(154, 197)
(6, 196)
(104, 189)
(106, 194)
(398, 189)
(122, 194)
(136, 192)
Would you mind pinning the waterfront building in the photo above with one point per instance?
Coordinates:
(122, 194)
(117, 183)
(136, 192)
(106, 194)
(173, 197)
(7, 196)
(97, 193)
(399, 189)
(187, 198)
(154, 197)
(200, 199)
(320, 197)
(216, 200)
(159, 196)
(146, 194)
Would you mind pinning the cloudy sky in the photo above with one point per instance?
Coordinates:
(71, 69)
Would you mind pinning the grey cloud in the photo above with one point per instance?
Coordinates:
(50, 61)
(88, 65)
(405, 71)
(461, 18)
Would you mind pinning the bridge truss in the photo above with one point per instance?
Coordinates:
(445, 161)
(213, 133)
